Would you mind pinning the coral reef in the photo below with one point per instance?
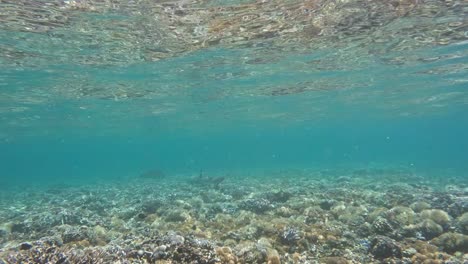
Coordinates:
(342, 219)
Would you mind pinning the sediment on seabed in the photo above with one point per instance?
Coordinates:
(361, 216)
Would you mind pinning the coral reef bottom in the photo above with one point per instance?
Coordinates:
(356, 216)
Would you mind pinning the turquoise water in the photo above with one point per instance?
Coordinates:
(240, 131)
(212, 110)
(429, 144)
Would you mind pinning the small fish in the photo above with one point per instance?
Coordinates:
(152, 174)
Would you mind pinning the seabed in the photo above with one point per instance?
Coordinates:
(303, 216)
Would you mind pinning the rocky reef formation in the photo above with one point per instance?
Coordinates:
(309, 218)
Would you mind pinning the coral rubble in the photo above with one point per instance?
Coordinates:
(311, 219)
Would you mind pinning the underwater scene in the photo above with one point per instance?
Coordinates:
(234, 132)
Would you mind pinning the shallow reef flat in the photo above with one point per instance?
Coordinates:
(346, 216)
